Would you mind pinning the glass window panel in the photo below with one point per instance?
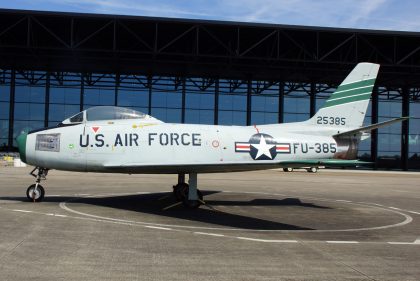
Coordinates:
(4, 93)
(167, 99)
(29, 111)
(414, 135)
(133, 98)
(389, 137)
(232, 102)
(174, 100)
(3, 144)
(95, 96)
(258, 118)
(265, 103)
(59, 112)
(290, 117)
(159, 99)
(167, 114)
(199, 100)
(4, 110)
(4, 129)
(29, 94)
(297, 105)
(195, 116)
(65, 95)
(232, 118)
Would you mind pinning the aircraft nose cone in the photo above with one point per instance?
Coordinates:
(21, 141)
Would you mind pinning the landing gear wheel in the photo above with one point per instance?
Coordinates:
(193, 204)
(312, 170)
(35, 196)
(180, 190)
(287, 169)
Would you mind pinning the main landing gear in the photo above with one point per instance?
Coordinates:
(187, 193)
(36, 192)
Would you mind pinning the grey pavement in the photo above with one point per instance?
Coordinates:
(265, 225)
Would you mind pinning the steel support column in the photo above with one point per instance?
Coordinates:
(47, 99)
(117, 85)
(374, 133)
(405, 128)
(312, 97)
(281, 102)
(183, 101)
(248, 103)
(11, 109)
(216, 101)
(149, 84)
(82, 91)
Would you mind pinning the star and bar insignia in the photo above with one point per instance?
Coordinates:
(262, 147)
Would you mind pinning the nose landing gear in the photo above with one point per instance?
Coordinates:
(36, 192)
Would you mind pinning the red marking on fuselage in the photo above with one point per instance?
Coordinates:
(96, 129)
(258, 131)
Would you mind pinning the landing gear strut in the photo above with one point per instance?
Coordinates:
(187, 193)
(36, 192)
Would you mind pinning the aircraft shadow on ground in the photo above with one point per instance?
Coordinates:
(150, 204)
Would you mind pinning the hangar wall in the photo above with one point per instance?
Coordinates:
(54, 64)
(34, 99)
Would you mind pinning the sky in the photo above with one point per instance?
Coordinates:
(365, 14)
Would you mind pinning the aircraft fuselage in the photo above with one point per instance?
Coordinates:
(134, 147)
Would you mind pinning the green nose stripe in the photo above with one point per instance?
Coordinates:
(21, 141)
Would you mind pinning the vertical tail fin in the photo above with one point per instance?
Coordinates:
(346, 107)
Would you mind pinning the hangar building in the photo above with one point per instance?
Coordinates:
(53, 65)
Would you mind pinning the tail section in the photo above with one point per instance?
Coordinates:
(346, 107)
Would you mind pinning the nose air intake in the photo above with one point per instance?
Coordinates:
(21, 141)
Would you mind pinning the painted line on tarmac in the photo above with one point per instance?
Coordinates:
(416, 242)
(124, 222)
(209, 234)
(342, 242)
(158, 227)
(407, 219)
(22, 211)
(408, 211)
(267, 240)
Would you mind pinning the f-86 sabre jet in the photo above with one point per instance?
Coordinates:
(119, 140)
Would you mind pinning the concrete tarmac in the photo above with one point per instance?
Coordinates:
(265, 225)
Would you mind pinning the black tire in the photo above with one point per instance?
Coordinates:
(181, 191)
(312, 170)
(39, 195)
(287, 169)
(193, 204)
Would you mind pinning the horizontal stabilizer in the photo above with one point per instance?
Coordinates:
(370, 127)
(324, 162)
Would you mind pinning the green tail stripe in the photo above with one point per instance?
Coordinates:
(357, 84)
(349, 93)
(347, 100)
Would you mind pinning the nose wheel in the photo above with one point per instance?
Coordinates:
(36, 192)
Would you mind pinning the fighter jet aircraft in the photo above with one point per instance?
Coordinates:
(111, 139)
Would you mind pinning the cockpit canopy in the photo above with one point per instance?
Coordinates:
(101, 113)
